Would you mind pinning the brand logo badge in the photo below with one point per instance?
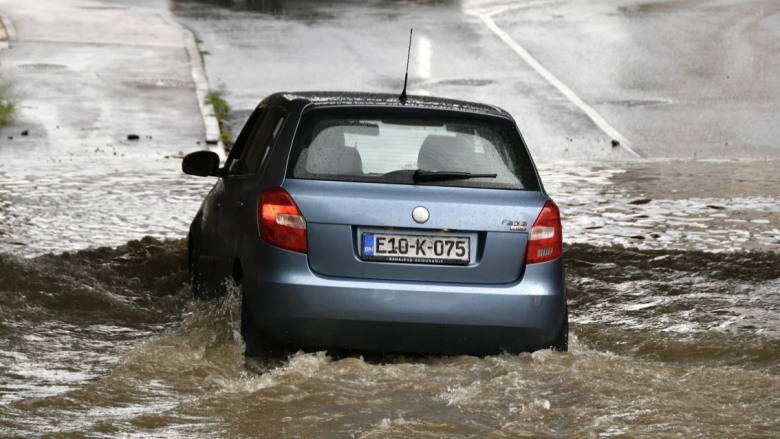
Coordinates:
(420, 214)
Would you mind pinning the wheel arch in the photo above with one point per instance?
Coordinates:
(237, 270)
(193, 233)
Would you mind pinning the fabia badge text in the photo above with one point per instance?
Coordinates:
(519, 226)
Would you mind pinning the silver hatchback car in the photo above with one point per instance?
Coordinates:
(353, 221)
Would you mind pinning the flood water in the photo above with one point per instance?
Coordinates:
(672, 267)
(674, 292)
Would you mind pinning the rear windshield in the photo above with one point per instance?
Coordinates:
(396, 146)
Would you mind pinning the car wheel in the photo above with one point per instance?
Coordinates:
(561, 343)
(257, 343)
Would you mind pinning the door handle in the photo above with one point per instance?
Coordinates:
(218, 205)
(239, 205)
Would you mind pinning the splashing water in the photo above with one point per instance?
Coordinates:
(106, 343)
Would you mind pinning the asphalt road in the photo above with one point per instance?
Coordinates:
(679, 79)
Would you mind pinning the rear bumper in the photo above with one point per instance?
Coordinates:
(301, 308)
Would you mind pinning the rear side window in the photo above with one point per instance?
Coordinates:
(265, 139)
(254, 154)
(387, 145)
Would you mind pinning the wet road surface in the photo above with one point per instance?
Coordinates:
(683, 79)
(673, 272)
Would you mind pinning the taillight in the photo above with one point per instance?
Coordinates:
(281, 223)
(545, 241)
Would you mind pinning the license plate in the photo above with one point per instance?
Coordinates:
(454, 250)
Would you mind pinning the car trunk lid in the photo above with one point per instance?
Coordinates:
(340, 214)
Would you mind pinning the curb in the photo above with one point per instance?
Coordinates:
(198, 72)
(210, 122)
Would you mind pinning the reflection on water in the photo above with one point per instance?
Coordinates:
(72, 205)
(711, 206)
(106, 343)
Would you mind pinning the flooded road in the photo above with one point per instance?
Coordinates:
(673, 268)
(667, 340)
(62, 206)
(104, 343)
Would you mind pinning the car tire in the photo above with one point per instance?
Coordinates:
(561, 342)
(256, 343)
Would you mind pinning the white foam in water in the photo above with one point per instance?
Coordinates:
(540, 404)
(459, 395)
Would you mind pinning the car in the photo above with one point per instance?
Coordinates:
(361, 222)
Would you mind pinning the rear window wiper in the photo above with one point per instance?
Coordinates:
(422, 175)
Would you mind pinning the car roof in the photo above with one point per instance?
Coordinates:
(360, 98)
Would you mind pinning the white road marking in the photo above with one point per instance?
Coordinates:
(423, 56)
(541, 70)
(507, 8)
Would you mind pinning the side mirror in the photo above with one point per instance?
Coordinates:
(201, 163)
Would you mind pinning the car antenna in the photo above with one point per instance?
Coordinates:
(402, 98)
